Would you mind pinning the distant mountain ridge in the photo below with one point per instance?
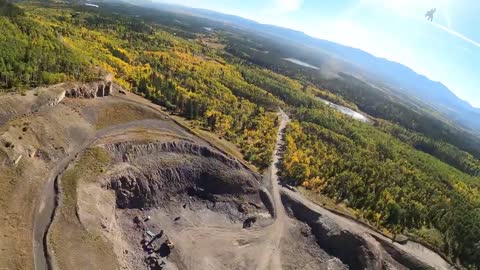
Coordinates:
(399, 78)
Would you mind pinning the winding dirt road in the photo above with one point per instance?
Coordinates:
(416, 250)
(257, 248)
(271, 259)
(46, 209)
(46, 203)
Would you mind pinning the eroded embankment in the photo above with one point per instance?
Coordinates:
(38, 131)
(161, 170)
(44, 98)
(356, 248)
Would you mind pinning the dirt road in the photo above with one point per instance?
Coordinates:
(271, 259)
(207, 239)
(416, 250)
(46, 209)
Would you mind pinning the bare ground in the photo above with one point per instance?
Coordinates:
(148, 174)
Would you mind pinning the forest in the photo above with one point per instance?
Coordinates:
(405, 172)
(385, 180)
(32, 54)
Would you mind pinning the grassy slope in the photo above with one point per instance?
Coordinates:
(67, 234)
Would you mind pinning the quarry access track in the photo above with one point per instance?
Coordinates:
(265, 245)
(47, 203)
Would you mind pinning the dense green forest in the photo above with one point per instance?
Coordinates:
(33, 54)
(406, 172)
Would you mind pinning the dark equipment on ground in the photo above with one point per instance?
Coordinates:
(158, 236)
(249, 222)
(430, 14)
(166, 248)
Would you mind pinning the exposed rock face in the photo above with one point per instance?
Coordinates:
(131, 151)
(44, 98)
(50, 100)
(90, 90)
(355, 249)
(163, 170)
(267, 201)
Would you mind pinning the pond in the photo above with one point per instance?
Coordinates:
(355, 115)
(301, 63)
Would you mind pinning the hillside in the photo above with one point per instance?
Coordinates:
(114, 182)
(405, 171)
(397, 77)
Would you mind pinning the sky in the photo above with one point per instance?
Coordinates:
(446, 50)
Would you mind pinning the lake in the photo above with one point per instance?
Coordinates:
(300, 63)
(355, 115)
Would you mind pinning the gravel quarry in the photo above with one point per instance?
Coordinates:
(130, 188)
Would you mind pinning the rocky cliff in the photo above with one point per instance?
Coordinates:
(356, 248)
(89, 90)
(161, 170)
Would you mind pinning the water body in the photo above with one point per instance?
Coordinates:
(92, 5)
(355, 115)
(301, 63)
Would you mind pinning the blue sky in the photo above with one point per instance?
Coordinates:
(447, 50)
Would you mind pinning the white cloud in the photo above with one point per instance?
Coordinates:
(287, 5)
